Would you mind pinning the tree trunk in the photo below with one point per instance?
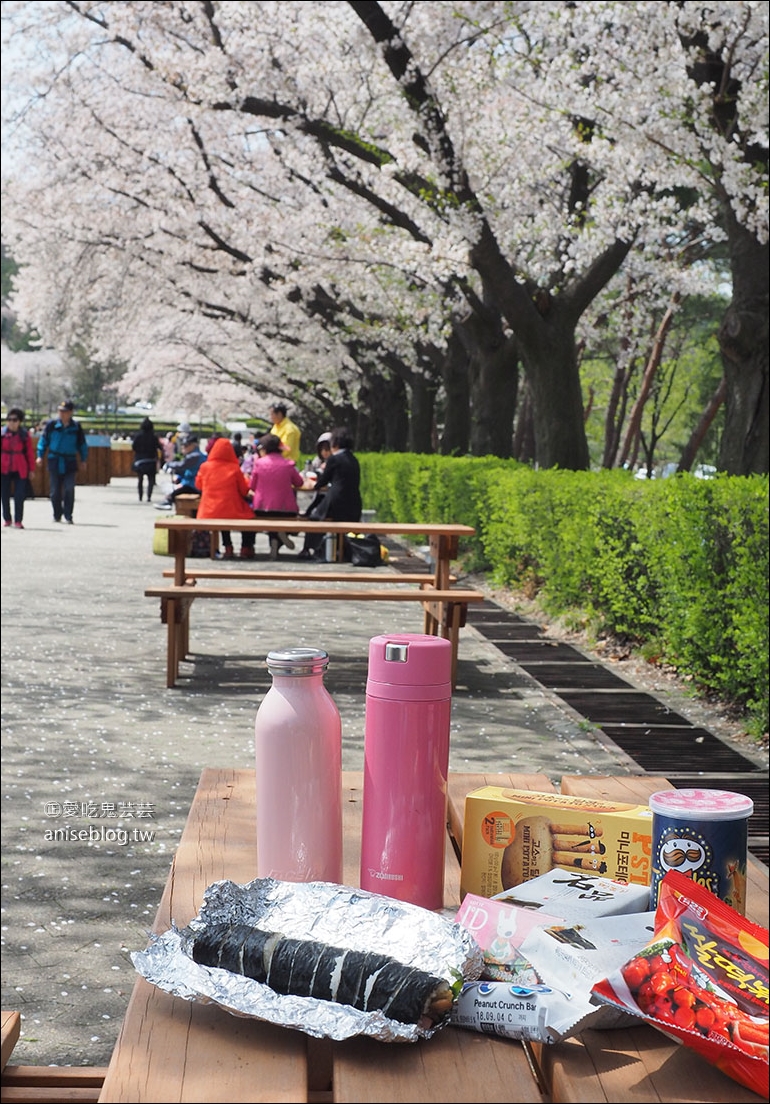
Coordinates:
(493, 377)
(494, 390)
(524, 435)
(455, 436)
(553, 378)
(423, 393)
(383, 422)
(690, 450)
(653, 363)
(393, 413)
(616, 413)
(743, 342)
(618, 403)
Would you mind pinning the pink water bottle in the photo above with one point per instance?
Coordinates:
(298, 742)
(406, 759)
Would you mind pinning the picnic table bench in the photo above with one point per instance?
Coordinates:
(42, 1084)
(444, 605)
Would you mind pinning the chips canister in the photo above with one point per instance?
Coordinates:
(702, 834)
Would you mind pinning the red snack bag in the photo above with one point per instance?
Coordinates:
(703, 980)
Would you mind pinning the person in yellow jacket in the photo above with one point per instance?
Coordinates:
(286, 431)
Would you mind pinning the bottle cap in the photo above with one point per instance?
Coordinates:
(297, 661)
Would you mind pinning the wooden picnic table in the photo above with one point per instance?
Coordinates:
(444, 605)
(173, 1050)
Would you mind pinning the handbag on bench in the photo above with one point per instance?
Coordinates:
(362, 549)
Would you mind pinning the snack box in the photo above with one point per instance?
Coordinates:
(570, 958)
(511, 836)
(569, 893)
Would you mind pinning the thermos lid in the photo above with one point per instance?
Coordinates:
(297, 661)
(410, 665)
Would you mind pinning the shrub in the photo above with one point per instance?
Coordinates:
(679, 565)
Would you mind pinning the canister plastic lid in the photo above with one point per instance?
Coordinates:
(297, 661)
(701, 804)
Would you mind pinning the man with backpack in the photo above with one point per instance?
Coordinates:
(65, 442)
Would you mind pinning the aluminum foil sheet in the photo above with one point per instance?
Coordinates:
(328, 913)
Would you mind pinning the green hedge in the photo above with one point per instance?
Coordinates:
(678, 565)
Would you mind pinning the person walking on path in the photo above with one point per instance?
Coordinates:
(18, 460)
(285, 429)
(224, 494)
(65, 442)
(148, 456)
(274, 479)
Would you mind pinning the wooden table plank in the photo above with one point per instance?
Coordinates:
(219, 841)
(203, 1053)
(633, 788)
(455, 1065)
(448, 530)
(638, 1064)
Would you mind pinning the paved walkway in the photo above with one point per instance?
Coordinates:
(87, 719)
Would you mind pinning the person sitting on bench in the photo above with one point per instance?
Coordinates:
(274, 479)
(342, 502)
(184, 472)
(225, 494)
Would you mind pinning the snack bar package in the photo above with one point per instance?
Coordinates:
(702, 980)
(577, 896)
(533, 1012)
(499, 928)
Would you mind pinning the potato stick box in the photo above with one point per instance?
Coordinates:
(511, 836)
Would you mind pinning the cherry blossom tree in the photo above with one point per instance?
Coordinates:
(437, 193)
(722, 70)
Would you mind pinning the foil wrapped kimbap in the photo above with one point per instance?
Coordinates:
(333, 961)
(367, 981)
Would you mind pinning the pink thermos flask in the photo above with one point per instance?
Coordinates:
(406, 759)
